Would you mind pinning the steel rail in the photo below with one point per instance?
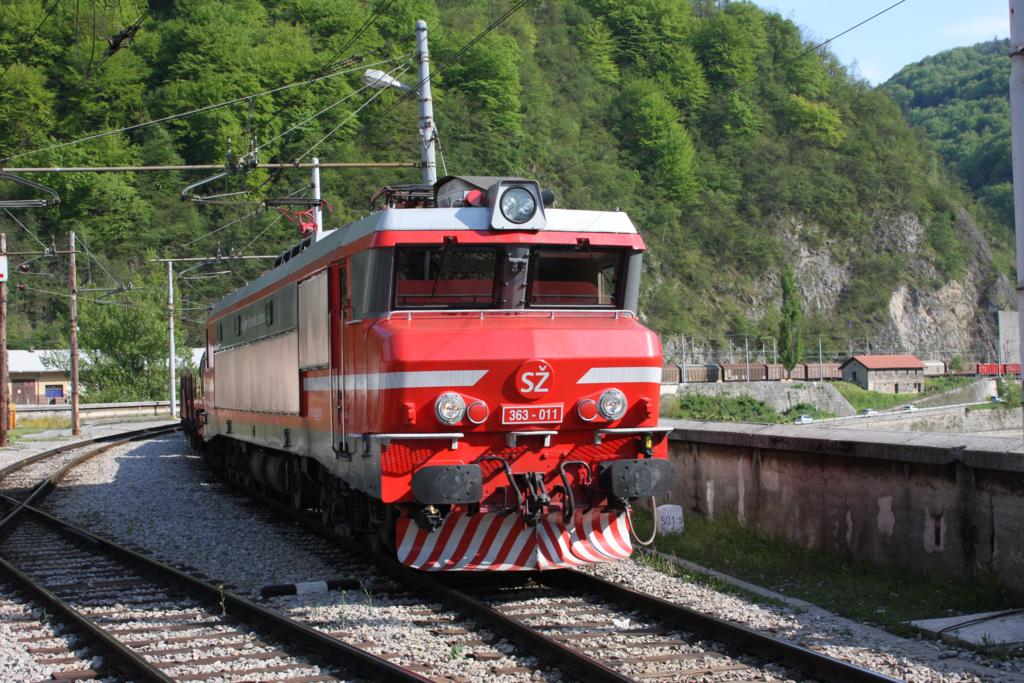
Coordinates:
(567, 658)
(336, 651)
(122, 652)
(316, 642)
(40, 489)
(25, 462)
(802, 659)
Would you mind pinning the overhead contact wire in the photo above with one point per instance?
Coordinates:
(191, 112)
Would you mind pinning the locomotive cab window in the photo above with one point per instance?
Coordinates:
(446, 277)
(575, 277)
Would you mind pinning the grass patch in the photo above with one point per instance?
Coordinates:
(734, 409)
(940, 385)
(1009, 391)
(24, 427)
(862, 398)
(857, 590)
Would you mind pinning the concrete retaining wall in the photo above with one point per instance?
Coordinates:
(781, 396)
(981, 390)
(935, 503)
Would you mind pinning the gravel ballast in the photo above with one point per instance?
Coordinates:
(916, 660)
(156, 496)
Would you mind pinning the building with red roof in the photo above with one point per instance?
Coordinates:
(894, 374)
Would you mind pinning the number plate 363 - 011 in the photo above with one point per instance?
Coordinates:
(531, 414)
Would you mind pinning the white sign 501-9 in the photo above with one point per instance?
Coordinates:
(670, 519)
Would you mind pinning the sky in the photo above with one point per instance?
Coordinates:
(903, 35)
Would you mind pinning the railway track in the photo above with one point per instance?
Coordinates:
(595, 630)
(143, 618)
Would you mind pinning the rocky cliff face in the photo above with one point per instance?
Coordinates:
(925, 315)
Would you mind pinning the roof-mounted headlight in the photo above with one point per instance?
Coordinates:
(449, 408)
(518, 204)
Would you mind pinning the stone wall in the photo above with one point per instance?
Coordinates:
(935, 503)
(956, 420)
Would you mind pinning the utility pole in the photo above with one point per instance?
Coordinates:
(1017, 129)
(5, 389)
(171, 355)
(170, 337)
(682, 367)
(746, 358)
(821, 364)
(318, 214)
(775, 351)
(427, 133)
(73, 285)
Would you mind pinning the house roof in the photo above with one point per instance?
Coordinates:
(893, 362)
(29, 362)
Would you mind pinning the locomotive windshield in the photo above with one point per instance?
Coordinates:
(574, 277)
(446, 277)
(475, 277)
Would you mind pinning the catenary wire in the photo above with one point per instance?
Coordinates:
(451, 60)
(38, 28)
(310, 118)
(25, 228)
(817, 46)
(381, 7)
(192, 112)
(107, 55)
(400, 69)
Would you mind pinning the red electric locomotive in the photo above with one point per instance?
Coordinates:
(465, 380)
(459, 376)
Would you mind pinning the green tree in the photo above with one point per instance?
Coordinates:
(789, 326)
(663, 146)
(123, 345)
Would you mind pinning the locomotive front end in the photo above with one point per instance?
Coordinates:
(515, 418)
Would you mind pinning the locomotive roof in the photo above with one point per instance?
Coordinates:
(469, 218)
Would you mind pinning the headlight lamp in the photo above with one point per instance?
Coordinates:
(612, 404)
(518, 204)
(449, 408)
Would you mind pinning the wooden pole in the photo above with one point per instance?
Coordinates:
(73, 284)
(5, 380)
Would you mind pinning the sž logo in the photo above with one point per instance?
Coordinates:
(534, 379)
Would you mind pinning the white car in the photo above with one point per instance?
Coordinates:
(868, 412)
(803, 420)
(908, 408)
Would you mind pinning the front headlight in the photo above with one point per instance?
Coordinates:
(612, 404)
(449, 408)
(518, 205)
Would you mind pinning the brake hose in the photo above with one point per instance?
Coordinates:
(654, 530)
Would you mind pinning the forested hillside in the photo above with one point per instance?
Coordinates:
(960, 99)
(735, 148)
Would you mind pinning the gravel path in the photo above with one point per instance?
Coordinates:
(919, 661)
(155, 495)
